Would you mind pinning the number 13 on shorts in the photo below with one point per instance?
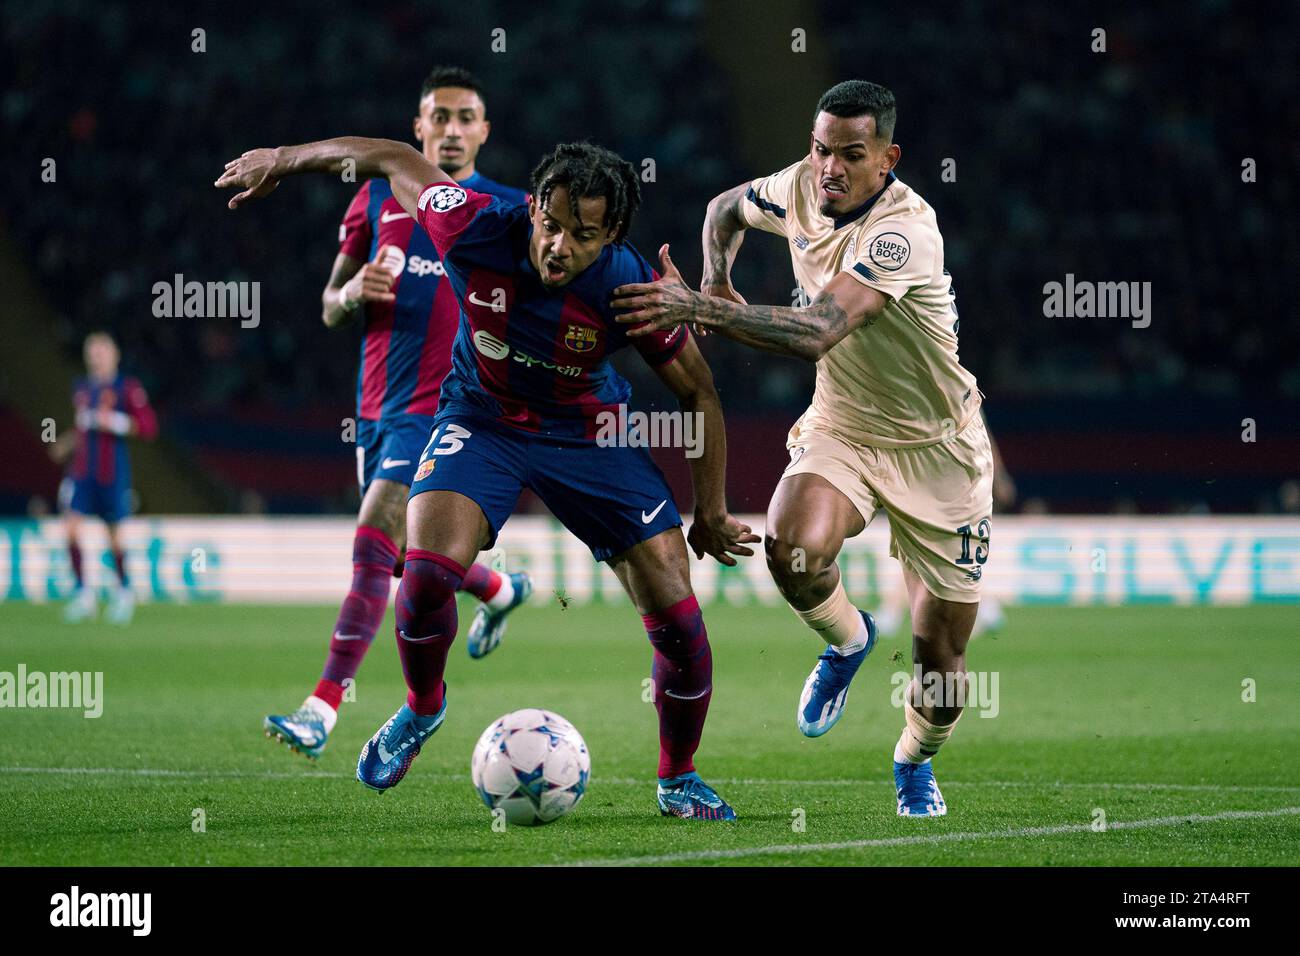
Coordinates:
(981, 533)
(447, 439)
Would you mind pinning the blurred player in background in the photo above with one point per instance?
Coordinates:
(110, 407)
(390, 271)
(522, 406)
(895, 419)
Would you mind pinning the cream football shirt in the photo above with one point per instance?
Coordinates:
(895, 382)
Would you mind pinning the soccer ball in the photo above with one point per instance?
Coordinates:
(533, 764)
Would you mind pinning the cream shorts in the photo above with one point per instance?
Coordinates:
(938, 497)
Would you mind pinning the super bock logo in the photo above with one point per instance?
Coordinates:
(442, 198)
(580, 338)
(890, 251)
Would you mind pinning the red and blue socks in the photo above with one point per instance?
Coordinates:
(426, 625)
(492, 588)
(119, 565)
(682, 673)
(77, 559)
(74, 558)
(373, 557)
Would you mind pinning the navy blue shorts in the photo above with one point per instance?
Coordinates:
(390, 448)
(110, 502)
(610, 498)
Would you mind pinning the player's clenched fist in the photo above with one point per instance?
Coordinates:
(374, 281)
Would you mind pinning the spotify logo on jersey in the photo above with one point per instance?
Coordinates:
(490, 345)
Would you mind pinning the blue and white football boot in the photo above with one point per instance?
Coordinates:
(82, 607)
(824, 692)
(918, 794)
(305, 730)
(121, 607)
(387, 755)
(691, 798)
(489, 624)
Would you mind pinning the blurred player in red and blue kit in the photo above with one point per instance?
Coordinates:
(530, 383)
(390, 271)
(110, 407)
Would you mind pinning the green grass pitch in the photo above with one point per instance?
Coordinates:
(1133, 712)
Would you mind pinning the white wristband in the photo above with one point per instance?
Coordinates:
(119, 423)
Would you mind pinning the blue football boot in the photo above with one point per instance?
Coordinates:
(387, 755)
(691, 798)
(822, 702)
(304, 731)
(918, 794)
(489, 624)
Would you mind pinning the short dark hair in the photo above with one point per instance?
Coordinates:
(456, 76)
(861, 98)
(590, 172)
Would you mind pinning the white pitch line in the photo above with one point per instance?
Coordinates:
(637, 781)
(1018, 832)
(179, 774)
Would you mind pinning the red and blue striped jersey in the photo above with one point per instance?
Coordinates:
(406, 345)
(101, 454)
(525, 355)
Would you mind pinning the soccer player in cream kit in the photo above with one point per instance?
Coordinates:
(894, 421)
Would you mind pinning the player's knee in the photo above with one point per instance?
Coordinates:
(678, 632)
(938, 653)
(428, 584)
(793, 565)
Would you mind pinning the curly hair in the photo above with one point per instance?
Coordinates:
(590, 172)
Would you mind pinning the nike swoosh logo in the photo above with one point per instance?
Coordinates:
(669, 693)
(391, 216)
(647, 518)
(346, 637)
(304, 733)
(391, 463)
(477, 301)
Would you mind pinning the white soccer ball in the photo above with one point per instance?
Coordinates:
(532, 764)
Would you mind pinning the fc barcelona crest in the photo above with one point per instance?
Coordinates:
(580, 338)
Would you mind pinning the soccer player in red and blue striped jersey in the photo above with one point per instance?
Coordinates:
(110, 407)
(530, 390)
(389, 272)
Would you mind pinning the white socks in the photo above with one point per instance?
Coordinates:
(505, 594)
(327, 713)
(837, 622)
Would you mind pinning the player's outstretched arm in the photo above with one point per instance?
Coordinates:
(259, 171)
(808, 333)
(714, 531)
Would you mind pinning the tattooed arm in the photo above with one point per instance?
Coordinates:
(724, 231)
(809, 333)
